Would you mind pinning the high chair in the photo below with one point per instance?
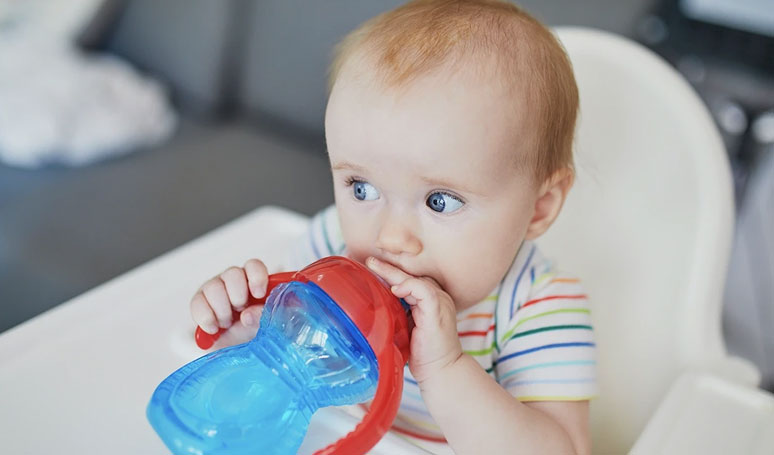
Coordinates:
(648, 228)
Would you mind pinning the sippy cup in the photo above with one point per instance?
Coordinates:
(330, 334)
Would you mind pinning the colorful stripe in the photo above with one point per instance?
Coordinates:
(471, 333)
(543, 277)
(564, 280)
(549, 328)
(541, 348)
(546, 365)
(497, 311)
(479, 352)
(479, 315)
(551, 381)
(403, 432)
(510, 333)
(518, 279)
(553, 297)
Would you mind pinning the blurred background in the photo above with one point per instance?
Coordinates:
(129, 127)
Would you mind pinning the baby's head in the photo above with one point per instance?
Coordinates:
(449, 129)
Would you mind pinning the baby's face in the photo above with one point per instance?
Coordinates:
(427, 180)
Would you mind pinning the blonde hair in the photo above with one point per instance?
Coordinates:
(424, 35)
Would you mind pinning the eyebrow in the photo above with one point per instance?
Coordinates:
(347, 165)
(445, 184)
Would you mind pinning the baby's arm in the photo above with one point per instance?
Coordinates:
(572, 416)
(478, 416)
(474, 412)
(211, 306)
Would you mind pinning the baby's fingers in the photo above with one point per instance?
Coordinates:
(240, 333)
(216, 296)
(236, 286)
(391, 274)
(202, 314)
(251, 315)
(257, 277)
(420, 293)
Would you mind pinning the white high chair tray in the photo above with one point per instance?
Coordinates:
(77, 379)
(706, 414)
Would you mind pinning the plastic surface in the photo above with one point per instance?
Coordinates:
(382, 319)
(704, 414)
(258, 397)
(309, 353)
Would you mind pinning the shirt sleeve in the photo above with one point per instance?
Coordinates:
(322, 238)
(547, 350)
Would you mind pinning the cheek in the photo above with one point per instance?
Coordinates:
(455, 254)
(476, 260)
(357, 232)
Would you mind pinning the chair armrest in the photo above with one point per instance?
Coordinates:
(738, 370)
(706, 414)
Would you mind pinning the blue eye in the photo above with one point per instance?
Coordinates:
(364, 191)
(443, 202)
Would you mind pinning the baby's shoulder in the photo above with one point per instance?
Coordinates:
(547, 277)
(534, 282)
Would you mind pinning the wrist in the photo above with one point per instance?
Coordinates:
(452, 367)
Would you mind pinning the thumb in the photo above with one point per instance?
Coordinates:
(242, 332)
(251, 316)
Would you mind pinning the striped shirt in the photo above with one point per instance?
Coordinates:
(532, 334)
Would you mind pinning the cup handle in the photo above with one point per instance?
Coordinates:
(381, 413)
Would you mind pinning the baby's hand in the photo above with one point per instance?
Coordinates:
(434, 340)
(211, 306)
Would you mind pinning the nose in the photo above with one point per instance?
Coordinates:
(397, 237)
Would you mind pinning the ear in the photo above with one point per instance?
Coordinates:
(551, 196)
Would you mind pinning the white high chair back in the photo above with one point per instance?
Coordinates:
(647, 228)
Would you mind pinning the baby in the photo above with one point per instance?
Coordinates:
(449, 129)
